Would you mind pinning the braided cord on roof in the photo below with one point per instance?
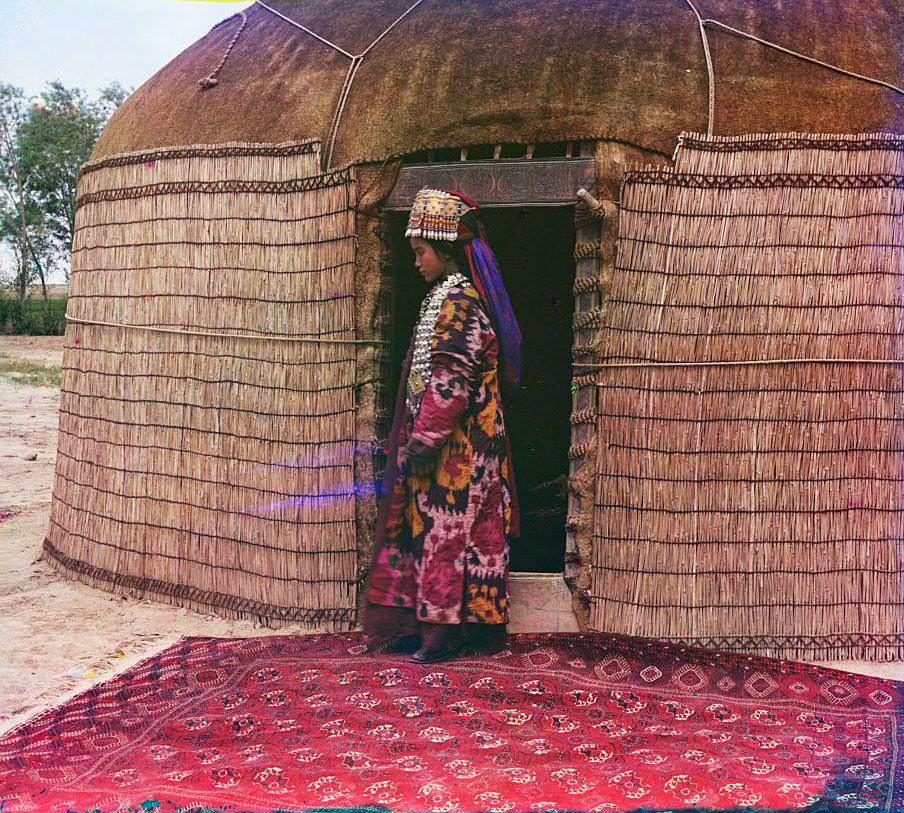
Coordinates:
(806, 58)
(356, 59)
(211, 80)
(704, 23)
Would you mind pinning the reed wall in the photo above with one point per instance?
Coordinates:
(207, 416)
(750, 445)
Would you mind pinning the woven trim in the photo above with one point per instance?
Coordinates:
(577, 451)
(769, 181)
(576, 522)
(847, 143)
(208, 597)
(586, 251)
(585, 285)
(340, 177)
(578, 350)
(591, 318)
(583, 416)
(284, 150)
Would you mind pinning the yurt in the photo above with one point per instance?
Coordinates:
(707, 440)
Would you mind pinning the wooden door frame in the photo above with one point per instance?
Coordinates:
(539, 182)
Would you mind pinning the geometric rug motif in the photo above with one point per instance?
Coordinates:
(553, 722)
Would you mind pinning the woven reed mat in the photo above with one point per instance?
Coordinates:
(207, 414)
(756, 506)
(552, 722)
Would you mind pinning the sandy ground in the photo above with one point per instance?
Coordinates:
(59, 636)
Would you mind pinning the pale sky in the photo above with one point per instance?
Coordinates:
(90, 43)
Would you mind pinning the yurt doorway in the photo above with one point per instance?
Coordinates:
(534, 246)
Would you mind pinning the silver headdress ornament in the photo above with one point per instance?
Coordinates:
(435, 215)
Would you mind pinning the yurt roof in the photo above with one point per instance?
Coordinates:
(520, 71)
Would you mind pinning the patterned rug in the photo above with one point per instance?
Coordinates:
(554, 722)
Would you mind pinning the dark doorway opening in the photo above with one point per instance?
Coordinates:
(534, 247)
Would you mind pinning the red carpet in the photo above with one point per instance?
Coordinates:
(556, 722)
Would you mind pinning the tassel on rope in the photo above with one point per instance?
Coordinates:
(211, 80)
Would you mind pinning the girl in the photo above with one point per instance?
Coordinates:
(448, 507)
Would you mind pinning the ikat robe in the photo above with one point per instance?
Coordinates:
(446, 549)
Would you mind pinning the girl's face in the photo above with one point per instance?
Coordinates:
(428, 263)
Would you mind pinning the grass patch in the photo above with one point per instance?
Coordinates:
(31, 320)
(23, 371)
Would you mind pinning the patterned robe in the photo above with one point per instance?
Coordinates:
(446, 548)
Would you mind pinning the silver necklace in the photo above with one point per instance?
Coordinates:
(419, 375)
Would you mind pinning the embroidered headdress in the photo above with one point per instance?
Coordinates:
(438, 214)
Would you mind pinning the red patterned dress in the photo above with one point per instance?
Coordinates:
(446, 548)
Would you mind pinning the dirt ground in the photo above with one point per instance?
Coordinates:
(59, 636)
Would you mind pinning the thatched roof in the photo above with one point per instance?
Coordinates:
(521, 71)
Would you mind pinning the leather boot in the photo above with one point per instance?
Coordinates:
(438, 642)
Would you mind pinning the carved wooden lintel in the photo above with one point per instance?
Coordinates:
(547, 182)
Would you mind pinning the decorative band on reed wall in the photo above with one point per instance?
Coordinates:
(747, 505)
(764, 181)
(338, 178)
(792, 141)
(208, 461)
(808, 647)
(215, 601)
(287, 150)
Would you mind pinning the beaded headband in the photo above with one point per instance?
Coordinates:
(436, 215)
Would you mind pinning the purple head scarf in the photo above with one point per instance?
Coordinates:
(488, 281)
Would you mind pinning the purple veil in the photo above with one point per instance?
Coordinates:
(488, 281)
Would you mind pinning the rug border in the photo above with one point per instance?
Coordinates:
(36, 713)
(629, 641)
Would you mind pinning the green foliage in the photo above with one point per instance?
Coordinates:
(54, 140)
(42, 146)
(32, 317)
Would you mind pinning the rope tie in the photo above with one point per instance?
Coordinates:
(356, 59)
(269, 337)
(710, 76)
(306, 30)
(738, 32)
(727, 363)
(702, 24)
(211, 80)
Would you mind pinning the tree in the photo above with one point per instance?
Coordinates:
(55, 140)
(42, 147)
(17, 209)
